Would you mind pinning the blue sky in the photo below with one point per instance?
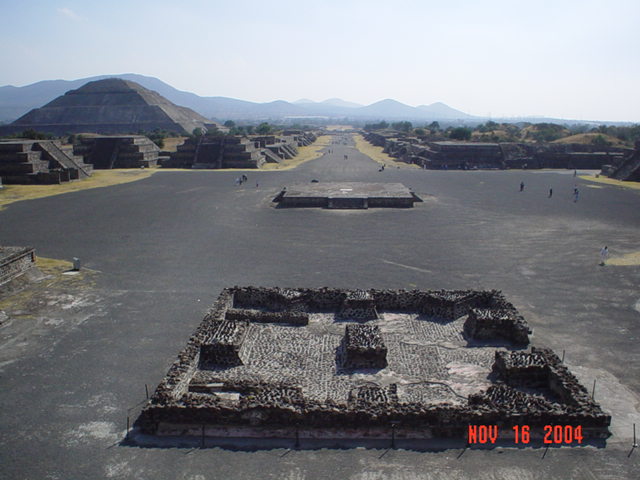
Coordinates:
(568, 59)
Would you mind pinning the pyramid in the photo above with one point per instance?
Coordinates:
(110, 106)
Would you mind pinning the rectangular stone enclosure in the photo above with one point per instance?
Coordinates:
(356, 364)
(346, 195)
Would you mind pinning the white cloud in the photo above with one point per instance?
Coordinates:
(67, 12)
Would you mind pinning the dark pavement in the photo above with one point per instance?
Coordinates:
(167, 245)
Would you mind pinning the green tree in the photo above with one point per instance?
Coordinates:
(600, 141)
(402, 126)
(264, 128)
(229, 123)
(434, 127)
(34, 135)
(460, 133)
(548, 132)
(197, 132)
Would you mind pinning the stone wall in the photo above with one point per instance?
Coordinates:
(40, 162)
(127, 151)
(570, 403)
(627, 168)
(236, 151)
(222, 346)
(181, 400)
(471, 155)
(492, 323)
(14, 261)
(256, 316)
(359, 305)
(364, 347)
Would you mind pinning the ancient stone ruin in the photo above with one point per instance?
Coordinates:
(128, 151)
(110, 106)
(40, 162)
(14, 261)
(627, 168)
(285, 363)
(363, 347)
(346, 195)
(237, 151)
(470, 155)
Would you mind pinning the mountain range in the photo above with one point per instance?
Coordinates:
(16, 101)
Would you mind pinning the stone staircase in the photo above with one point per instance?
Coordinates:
(629, 169)
(39, 162)
(127, 151)
(270, 157)
(65, 160)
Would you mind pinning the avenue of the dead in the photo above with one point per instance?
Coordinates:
(76, 357)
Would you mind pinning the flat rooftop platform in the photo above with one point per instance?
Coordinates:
(347, 195)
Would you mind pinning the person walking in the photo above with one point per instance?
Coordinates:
(576, 194)
(550, 192)
(604, 254)
(521, 186)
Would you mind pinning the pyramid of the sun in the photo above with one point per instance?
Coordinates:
(109, 106)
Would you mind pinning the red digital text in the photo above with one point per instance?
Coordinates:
(521, 434)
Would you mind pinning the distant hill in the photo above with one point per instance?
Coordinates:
(338, 102)
(440, 110)
(16, 101)
(388, 108)
(588, 139)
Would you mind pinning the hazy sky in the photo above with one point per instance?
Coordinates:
(570, 59)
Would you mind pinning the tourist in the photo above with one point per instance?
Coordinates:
(604, 254)
(576, 194)
(521, 186)
(550, 192)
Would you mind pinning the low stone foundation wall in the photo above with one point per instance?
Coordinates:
(492, 323)
(201, 391)
(257, 316)
(222, 347)
(14, 261)
(363, 347)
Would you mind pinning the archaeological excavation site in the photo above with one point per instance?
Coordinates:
(364, 364)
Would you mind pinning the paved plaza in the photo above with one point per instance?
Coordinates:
(159, 251)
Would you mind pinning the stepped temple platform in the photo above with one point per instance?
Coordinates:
(347, 195)
(126, 151)
(40, 162)
(109, 106)
(365, 364)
